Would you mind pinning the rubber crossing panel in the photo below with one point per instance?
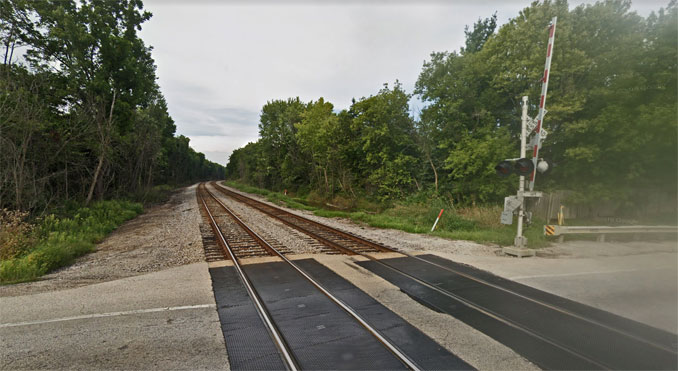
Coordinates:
(321, 335)
(563, 341)
(248, 343)
(423, 350)
(649, 333)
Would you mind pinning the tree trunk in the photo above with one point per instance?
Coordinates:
(435, 172)
(66, 179)
(417, 184)
(104, 136)
(19, 174)
(327, 184)
(11, 53)
(7, 43)
(96, 177)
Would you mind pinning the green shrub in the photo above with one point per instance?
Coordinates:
(247, 188)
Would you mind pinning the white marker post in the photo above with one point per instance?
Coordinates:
(520, 241)
(438, 218)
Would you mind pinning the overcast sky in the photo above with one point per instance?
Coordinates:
(220, 62)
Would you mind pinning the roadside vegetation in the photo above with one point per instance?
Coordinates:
(612, 130)
(84, 127)
(413, 215)
(29, 250)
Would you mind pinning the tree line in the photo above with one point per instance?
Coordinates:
(81, 114)
(612, 116)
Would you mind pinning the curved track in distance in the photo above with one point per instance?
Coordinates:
(251, 241)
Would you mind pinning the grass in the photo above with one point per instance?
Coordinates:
(277, 198)
(59, 240)
(478, 223)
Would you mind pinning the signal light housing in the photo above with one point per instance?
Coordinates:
(504, 168)
(522, 167)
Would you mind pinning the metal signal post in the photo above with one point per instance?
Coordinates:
(520, 240)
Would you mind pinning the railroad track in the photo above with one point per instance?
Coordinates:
(239, 241)
(573, 336)
(341, 241)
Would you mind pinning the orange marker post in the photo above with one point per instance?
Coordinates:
(437, 219)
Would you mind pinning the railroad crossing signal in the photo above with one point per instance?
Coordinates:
(522, 166)
(504, 168)
(526, 167)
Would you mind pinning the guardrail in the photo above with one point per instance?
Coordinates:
(601, 231)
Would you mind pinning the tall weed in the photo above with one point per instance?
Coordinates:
(16, 234)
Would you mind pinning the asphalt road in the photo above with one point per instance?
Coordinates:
(164, 320)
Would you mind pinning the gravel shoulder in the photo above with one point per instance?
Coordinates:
(164, 236)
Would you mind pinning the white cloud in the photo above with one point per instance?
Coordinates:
(219, 63)
(218, 147)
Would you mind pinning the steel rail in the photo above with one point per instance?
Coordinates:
(312, 222)
(482, 309)
(285, 352)
(479, 280)
(402, 357)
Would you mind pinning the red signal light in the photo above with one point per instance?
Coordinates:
(524, 166)
(504, 168)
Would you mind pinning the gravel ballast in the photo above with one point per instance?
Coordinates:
(270, 229)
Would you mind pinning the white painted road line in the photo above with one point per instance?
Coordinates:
(111, 314)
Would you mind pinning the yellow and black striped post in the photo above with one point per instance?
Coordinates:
(549, 230)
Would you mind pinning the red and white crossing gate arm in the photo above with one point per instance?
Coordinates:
(542, 102)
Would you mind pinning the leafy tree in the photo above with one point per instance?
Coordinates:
(16, 26)
(611, 114)
(246, 164)
(476, 38)
(109, 69)
(316, 135)
(80, 112)
(285, 164)
(386, 137)
(611, 123)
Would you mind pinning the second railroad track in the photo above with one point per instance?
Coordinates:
(549, 330)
